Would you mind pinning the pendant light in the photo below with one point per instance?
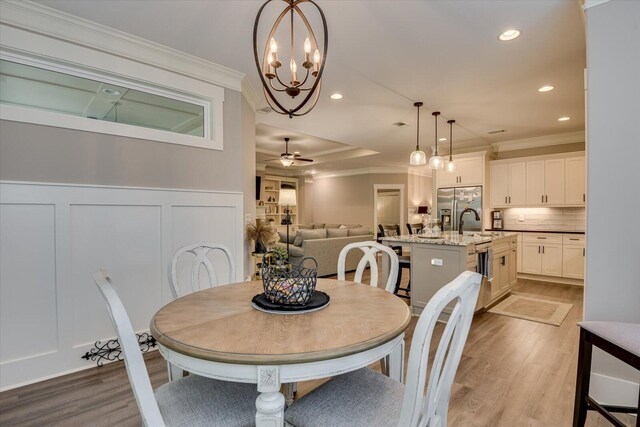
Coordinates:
(418, 157)
(435, 162)
(451, 167)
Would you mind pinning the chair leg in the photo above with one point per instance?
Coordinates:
(582, 381)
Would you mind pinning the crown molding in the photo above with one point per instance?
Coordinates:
(362, 171)
(542, 141)
(54, 23)
(249, 93)
(588, 4)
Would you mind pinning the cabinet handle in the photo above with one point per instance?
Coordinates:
(542, 238)
(539, 249)
(509, 199)
(583, 251)
(505, 199)
(573, 239)
(583, 197)
(543, 249)
(542, 198)
(546, 199)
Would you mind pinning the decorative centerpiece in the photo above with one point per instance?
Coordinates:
(262, 233)
(289, 287)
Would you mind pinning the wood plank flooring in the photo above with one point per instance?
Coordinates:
(513, 373)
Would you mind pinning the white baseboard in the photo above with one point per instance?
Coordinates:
(608, 390)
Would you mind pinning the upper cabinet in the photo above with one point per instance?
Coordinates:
(469, 171)
(508, 183)
(574, 181)
(556, 180)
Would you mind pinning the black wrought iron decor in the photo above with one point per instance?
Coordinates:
(288, 284)
(111, 350)
(272, 82)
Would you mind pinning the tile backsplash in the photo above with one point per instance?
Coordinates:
(545, 219)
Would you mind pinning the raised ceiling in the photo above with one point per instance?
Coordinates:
(384, 55)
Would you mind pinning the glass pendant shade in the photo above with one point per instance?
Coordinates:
(418, 158)
(286, 161)
(435, 162)
(451, 167)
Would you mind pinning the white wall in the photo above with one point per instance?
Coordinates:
(612, 283)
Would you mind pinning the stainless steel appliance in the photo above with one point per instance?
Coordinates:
(451, 203)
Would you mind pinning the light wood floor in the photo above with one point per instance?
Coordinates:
(513, 373)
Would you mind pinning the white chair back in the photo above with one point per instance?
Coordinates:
(370, 250)
(133, 360)
(201, 251)
(430, 408)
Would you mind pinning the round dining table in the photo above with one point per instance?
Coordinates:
(217, 333)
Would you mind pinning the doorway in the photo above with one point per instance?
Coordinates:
(388, 204)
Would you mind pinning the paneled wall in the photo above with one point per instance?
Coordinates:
(53, 237)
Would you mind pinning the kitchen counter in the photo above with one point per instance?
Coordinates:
(453, 239)
(535, 231)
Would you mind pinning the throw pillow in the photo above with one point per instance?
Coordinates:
(297, 241)
(331, 225)
(283, 236)
(305, 227)
(359, 231)
(343, 226)
(317, 225)
(354, 226)
(337, 232)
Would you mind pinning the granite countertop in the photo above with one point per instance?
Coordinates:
(454, 239)
(537, 231)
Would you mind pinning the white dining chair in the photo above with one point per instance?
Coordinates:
(365, 397)
(370, 250)
(190, 401)
(201, 252)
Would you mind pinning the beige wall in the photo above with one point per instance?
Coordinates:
(420, 193)
(541, 151)
(350, 199)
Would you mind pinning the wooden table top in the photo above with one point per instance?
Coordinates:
(220, 324)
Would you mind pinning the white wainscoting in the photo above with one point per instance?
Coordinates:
(54, 236)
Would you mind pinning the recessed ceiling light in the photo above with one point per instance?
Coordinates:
(509, 35)
(442, 139)
(336, 96)
(296, 152)
(111, 92)
(546, 88)
(312, 172)
(564, 119)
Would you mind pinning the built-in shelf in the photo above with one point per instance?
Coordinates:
(277, 211)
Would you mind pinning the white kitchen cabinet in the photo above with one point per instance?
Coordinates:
(574, 181)
(508, 184)
(551, 260)
(573, 261)
(471, 170)
(554, 182)
(519, 268)
(531, 258)
(448, 179)
(535, 183)
(545, 182)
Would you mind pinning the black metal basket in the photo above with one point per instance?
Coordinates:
(288, 284)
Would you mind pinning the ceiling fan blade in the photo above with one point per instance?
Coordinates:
(299, 159)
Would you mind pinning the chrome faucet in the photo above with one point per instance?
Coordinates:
(462, 214)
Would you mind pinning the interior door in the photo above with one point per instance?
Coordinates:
(388, 208)
(500, 185)
(552, 260)
(517, 184)
(554, 182)
(535, 183)
(574, 181)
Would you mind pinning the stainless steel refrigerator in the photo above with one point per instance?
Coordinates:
(451, 203)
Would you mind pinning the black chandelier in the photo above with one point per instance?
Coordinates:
(274, 83)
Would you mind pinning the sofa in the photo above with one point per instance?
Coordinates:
(324, 244)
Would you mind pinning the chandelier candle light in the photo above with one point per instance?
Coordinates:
(435, 162)
(276, 83)
(418, 157)
(451, 167)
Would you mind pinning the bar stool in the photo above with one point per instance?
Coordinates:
(621, 340)
(404, 261)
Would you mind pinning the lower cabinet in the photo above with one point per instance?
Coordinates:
(573, 261)
(504, 272)
(555, 255)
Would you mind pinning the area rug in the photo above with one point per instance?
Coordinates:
(534, 309)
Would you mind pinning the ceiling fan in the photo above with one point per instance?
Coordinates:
(286, 158)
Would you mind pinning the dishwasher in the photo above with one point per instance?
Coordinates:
(484, 253)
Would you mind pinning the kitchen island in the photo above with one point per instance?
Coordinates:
(435, 262)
